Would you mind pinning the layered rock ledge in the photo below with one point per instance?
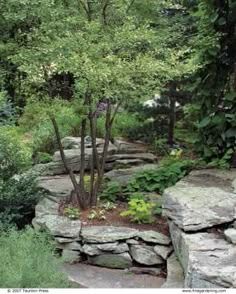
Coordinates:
(201, 210)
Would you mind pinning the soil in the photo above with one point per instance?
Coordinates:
(113, 218)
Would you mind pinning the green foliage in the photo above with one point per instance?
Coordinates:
(100, 215)
(156, 180)
(14, 156)
(71, 212)
(222, 163)
(18, 198)
(160, 146)
(108, 205)
(111, 191)
(43, 157)
(27, 261)
(139, 210)
(35, 120)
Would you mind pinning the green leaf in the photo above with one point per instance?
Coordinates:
(203, 123)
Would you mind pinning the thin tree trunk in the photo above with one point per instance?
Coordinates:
(172, 114)
(67, 168)
(82, 160)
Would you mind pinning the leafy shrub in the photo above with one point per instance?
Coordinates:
(35, 120)
(161, 146)
(123, 123)
(27, 261)
(18, 198)
(111, 191)
(156, 180)
(71, 212)
(43, 157)
(139, 210)
(100, 215)
(7, 111)
(14, 158)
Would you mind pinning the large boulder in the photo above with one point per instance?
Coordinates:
(119, 261)
(208, 260)
(145, 255)
(203, 199)
(75, 142)
(107, 234)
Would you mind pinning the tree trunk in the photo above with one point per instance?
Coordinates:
(67, 168)
(172, 114)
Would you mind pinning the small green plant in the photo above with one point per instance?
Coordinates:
(43, 157)
(110, 193)
(108, 205)
(139, 211)
(224, 162)
(157, 209)
(71, 212)
(160, 146)
(100, 215)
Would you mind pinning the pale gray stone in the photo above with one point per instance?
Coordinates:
(194, 207)
(122, 247)
(91, 250)
(59, 186)
(146, 157)
(230, 235)
(107, 234)
(154, 237)
(121, 261)
(175, 275)
(153, 271)
(66, 240)
(163, 251)
(107, 246)
(144, 254)
(132, 242)
(60, 226)
(125, 146)
(122, 176)
(74, 142)
(208, 261)
(70, 256)
(46, 207)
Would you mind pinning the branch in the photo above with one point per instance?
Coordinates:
(115, 112)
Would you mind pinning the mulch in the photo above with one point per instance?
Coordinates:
(113, 218)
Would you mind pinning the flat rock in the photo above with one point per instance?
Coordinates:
(107, 234)
(125, 146)
(230, 235)
(126, 163)
(145, 255)
(91, 250)
(70, 256)
(122, 176)
(207, 260)
(196, 193)
(163, 251)
(59, 186)
(73, 246)
(154, 237)
(95, 277)
(60, 226)
(121, 261)
(146, 157)
(175, 275)
(74, 142)
(154, 271)
(62, 240)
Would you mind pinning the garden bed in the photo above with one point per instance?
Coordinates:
(112, 217)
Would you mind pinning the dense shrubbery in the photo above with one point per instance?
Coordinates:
(27, 261)
(18, 197)
(14, 155)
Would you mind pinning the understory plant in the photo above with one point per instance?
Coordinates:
(71, 212)
(18, 198)
(139, 210)
(28, 261)
(111, 191)
(156, 180)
